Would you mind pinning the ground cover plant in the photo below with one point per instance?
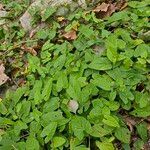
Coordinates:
(81, 83)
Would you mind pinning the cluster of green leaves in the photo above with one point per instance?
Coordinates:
(103, 70)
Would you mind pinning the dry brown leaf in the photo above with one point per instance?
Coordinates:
(124, 6)
(102, 7)
(130, 122)
(71, 35)
(104, 10)
(29, 49)
(3, 76)
(73, 106)
(120, 5)
(111, 9)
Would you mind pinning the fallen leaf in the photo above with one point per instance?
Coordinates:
(71, 35)
(3, 76)
(104, 10)
(102, 7)
(73, 106)
(124, 6)
(111, 9)
(120, 5)
(130, 122)
(29, 49)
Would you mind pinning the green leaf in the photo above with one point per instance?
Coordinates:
(142, 131)
(123, 134)
(138, 4)
(105, 146)
(18, 126)
(51, 105)
(47, 46)
(79, 126)
(59, 62)
(58, 141)
(121, 44)
(98, 131)
(103, 81)
(42, 34)
(32, 143)
(113, 106)
(125, 35)
(48, 12)
(52, 34)
(18, 94)
(142, 99)
(21, 146)
(112, 95)
(142, 51)
(81, 147)
(36, 115)
(139, 144)
(37, 91)
(25, 109)
(47, 89)
(141, 112)
(62, 81)
(49, 131)
(3, 109)
(5, 121)
(35, 127)
(118, 17)
(87, 31)
(100, 63)
(54, 116)
(110, 121)
(111, 45)
(126, 95)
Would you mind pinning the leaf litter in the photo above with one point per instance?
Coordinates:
(3, 76)
(95, 85)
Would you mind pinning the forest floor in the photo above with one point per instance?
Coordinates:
(77, 81)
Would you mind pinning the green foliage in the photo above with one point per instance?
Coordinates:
(105, 70)
(123, 134)
(47, 13)
(105, 145)
(142, 131)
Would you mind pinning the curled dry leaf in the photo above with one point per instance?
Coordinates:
(71, 35)
(73, 106)
(102, 7)
(130, 122)
(3, 76)
(111, 9)
(124, 6)
(120, 5)
(104, 10)
(29, 49)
